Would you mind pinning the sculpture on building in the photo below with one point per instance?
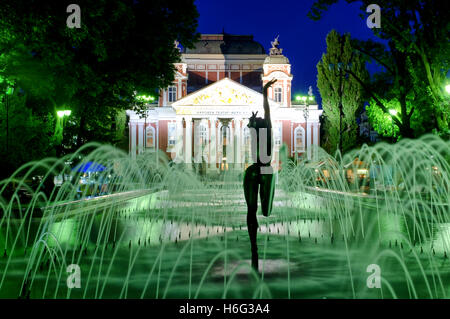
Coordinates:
(275, 50)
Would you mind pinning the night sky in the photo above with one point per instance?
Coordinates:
(302, 39)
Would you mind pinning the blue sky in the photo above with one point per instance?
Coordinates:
(302, 39)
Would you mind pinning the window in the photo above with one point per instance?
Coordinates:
(150, 137)
(201, 140)
(171, 134)
(277, 94)
(299, 139)
(202, 134)
(172, 93)
(277, 135)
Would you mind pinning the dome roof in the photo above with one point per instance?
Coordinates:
(276, 59)
(226, 44)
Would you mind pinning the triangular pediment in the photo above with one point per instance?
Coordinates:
(225, 92)
(179, 75)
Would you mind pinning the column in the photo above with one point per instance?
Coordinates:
(132, 128)
(308, 142)
(179, 140)
(315, 140)
(213, 143)
(140, 137)
(292, 138)
(219, 147)
(196, 146)
(157, 137)
(188, 141)
(230, 146)
(238, 130)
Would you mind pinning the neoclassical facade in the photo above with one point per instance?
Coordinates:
(203, 116)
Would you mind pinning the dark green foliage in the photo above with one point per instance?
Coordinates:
(416, 62)
(122, 47)
(338, 88)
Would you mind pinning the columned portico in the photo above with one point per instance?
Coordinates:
(209, 127)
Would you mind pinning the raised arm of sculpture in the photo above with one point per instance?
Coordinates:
(266, 101)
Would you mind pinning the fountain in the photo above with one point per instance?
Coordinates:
(160, 231)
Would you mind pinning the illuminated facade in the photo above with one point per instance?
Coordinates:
(203, 116)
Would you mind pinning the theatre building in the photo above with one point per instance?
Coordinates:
(202, 117)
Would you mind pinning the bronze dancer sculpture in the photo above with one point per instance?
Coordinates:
(260, 173)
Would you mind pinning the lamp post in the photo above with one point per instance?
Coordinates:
(393, 113)
(305, 110)
(306, 115)
(60, 124)
(146, 98)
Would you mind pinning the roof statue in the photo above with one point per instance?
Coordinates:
(275, 50)
(275, 43)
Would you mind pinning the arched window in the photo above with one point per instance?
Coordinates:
(150, 137)
(278, 94)
(172, 91)
(299, 139)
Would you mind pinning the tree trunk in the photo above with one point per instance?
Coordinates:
(81, 129)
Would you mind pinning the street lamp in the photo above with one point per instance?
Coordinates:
(447, 88)
(393, 113)
(304, 99)
(63, 113)
(146, 98)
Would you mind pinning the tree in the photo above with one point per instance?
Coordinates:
(29, 137)
(122, 47)
(414, 111)
(342, 95)
(418, 48)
